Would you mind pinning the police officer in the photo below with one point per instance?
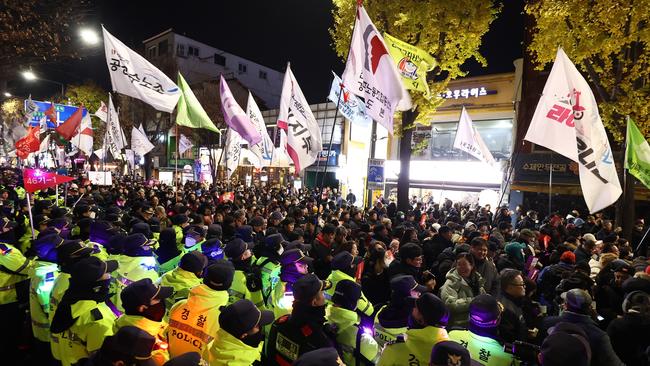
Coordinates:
(84, 216)
(14, 287)
(304, 330)
(187, 275)
(426, 328)
(194, 238)
(167, 255)
(392, 319)
(343, 268)
(144, 307)
(82, 320)
(193, 323)
(136, 262)
(294, 265)
(42, 276)
(179, 223)
(245, 284)
(240, 339)
(356, 343)
(447, 353)
(268, 263)
(129, 346)
(481, 339)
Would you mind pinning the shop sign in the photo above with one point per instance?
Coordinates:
(330, 156)
(467, 93)
(537, 167)
(376, 176)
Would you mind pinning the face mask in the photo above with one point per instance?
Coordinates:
(155, 312)
(254, 340)
(92, 215)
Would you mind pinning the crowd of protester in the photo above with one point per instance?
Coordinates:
(147, 274)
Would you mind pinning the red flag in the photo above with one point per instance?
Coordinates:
(51, 113)
(71, 125)
(29, 143)
(36, 179)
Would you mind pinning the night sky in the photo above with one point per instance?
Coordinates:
(268, 32)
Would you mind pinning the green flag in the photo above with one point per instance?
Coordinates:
(412, 63)
(189, 112)
(637, 153)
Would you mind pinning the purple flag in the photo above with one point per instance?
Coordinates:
(235, 116)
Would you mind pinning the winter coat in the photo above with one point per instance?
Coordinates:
(457, 295)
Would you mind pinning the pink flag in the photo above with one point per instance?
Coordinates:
(235, 116)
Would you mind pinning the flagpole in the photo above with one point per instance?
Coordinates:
(223, 148)
(550, 186)
(31, 219)
(177, 157)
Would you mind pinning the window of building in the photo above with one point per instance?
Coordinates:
(162, 47)
(219, 59)
(242, 68)
(437, 141)
(180, 50)
(192, 51)
(152, 51)
(262, 74)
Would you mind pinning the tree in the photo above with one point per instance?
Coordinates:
(450, 31)
(33, 31)
(90, 95)
(608, 39)
(12, 123)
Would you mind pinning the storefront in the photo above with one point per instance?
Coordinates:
(440, 171)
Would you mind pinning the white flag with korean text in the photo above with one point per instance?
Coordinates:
(114, 133)
(304, 140)
(132, 75)
(567, 121)
(263, 149)
(370, 73)
(469, 140)
(233, 151)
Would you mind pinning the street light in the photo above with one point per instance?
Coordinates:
(89, 36)
(29, 75)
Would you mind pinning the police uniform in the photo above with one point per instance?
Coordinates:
(92, 321)
(281, 301)
(14, 287)
(363, 306)
(183, 278)
(235, 320)
(485, 350)
(355, 342)
(142, 293)
(244, 285)
(270, 276)
(386, 334)
(414, 347)
(298, 333)
(42, 276)
(193, 323)
(136, 263)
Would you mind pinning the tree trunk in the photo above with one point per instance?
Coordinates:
(628, 205)
(403, 181)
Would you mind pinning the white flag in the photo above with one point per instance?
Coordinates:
(469, 140)
(370, 73)
(44, 144)
(184, 144)
(130, 157)
(83, 140)
(102, 112)
(114, 133)
(139, 142)
(100, 153)
(233, 151)
(296, 118)
(567, 121)
(141, 129)
(132, 75)
(263, 149)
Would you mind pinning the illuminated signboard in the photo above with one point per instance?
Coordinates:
(467, 93)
